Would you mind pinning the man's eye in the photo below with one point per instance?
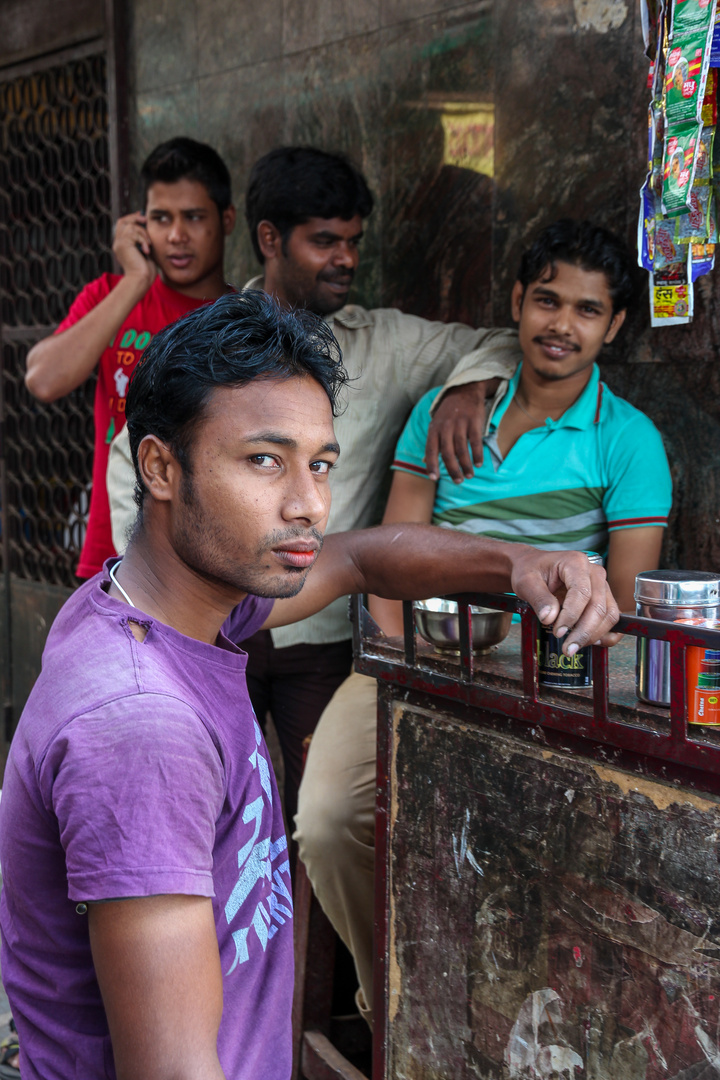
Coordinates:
(267, 461)
(322, 468)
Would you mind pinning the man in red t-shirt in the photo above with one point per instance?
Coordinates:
(171, 256)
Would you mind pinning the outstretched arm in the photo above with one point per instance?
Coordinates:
(413, 562)
(158, 967)
(411, 498)
(61, 362)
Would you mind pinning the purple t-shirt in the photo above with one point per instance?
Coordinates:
(138, 768)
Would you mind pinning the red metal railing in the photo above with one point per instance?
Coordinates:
(675, 743)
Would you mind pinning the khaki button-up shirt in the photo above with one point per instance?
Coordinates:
(392, 360)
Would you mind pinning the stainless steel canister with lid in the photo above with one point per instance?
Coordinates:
(669, 595)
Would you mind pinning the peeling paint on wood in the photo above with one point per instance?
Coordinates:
(550, 917)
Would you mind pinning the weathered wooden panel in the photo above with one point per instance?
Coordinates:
(550, 917)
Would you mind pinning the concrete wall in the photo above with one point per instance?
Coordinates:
(562, 84)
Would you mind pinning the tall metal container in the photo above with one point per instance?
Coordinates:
(669, 595)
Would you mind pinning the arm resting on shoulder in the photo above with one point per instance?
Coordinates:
(158, 967)
(458, 412)
(631, 552)
(411, 499)
(410, 562)
(120, 489)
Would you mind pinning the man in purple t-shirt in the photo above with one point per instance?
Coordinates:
(146, 914)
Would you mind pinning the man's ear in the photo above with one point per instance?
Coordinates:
(159, 469)
(615, 323)
(516, 299)
(269, 240)
(229, 217)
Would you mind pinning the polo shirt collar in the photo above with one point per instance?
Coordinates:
(581, 415)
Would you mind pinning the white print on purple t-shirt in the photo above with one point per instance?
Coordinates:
(255, 862)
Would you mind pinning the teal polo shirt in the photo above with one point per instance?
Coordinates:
(567, 485)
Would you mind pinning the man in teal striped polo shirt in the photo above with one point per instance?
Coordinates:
(566, 464)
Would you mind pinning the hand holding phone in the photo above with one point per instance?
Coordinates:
(132, 247)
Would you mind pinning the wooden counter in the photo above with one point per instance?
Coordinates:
(547, 906)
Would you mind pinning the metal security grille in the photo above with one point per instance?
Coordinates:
(55, 236)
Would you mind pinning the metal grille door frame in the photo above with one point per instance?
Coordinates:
(64, 155)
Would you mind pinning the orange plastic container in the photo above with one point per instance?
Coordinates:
(702, 676)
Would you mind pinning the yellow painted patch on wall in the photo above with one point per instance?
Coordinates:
(600, 15)
(469, 130)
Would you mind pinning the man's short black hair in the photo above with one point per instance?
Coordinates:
(292, 184)
(183, 158)
(582, 244)
(241, 337)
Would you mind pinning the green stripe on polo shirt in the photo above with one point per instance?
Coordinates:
(540, 506)
(592, 537)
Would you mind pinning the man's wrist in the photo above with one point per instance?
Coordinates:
(481, 389)
(136, 283)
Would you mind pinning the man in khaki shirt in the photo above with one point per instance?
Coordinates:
(305, 211)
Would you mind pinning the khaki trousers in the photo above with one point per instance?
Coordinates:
(336, 821)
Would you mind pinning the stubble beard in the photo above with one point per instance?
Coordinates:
(310, 295)
(199, 542)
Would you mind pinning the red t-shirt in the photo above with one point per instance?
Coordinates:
(159, 307)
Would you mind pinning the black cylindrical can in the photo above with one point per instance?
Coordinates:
(557, 669)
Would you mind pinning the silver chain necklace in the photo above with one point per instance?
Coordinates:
(520, 406)
(117, 583)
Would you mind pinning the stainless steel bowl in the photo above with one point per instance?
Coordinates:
(437, 621)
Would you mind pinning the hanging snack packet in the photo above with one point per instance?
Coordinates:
(682, 148)
(671, 296)
(694, 227)
(703, 168)
(708, 111)
(703, 260)
(656, 79)
(646, 226)
(698, 225)
(715, 43)
(650, 10)
(656, 148)
(688, 60)
(690, 15)
(667, 251)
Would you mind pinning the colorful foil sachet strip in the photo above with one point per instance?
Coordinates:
(677, 225)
